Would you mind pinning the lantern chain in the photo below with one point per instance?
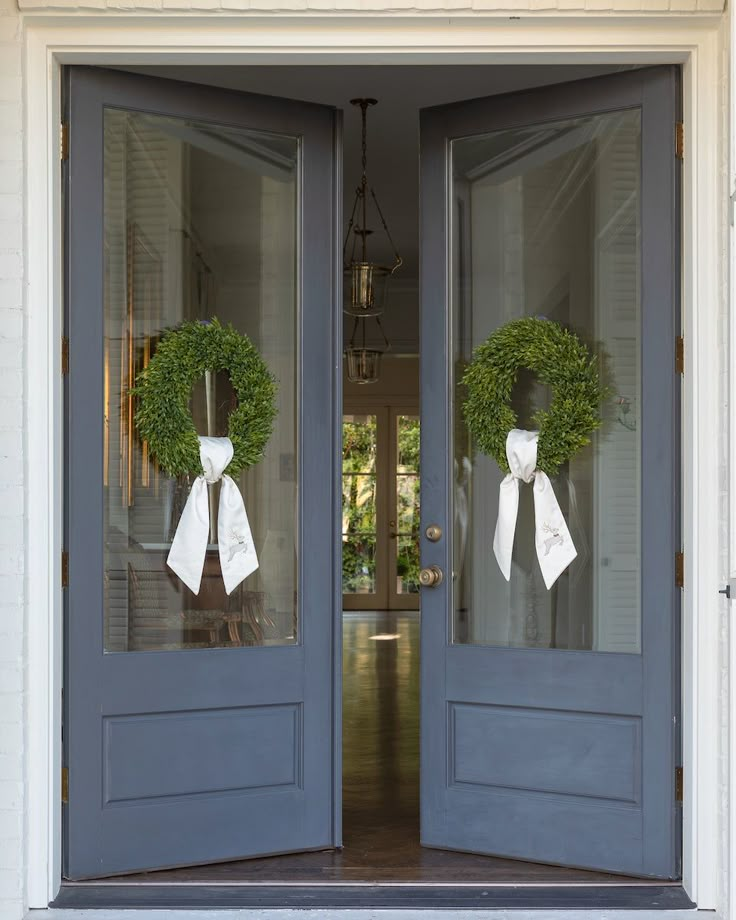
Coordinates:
(364, 368)
(397, 258)
(364, 178)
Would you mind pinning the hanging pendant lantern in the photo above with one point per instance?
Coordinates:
(363, 364)
(364, 361)
(367, 280)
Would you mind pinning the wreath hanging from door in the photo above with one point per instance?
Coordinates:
(163, 389)
(163, 420)
(562, 362)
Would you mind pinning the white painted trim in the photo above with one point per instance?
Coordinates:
(700, 428)
(111, 39)
(44, 445)
(729, 342)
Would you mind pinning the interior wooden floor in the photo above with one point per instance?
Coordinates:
(381, 785)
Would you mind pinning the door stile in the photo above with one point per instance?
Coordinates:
(660, 450)
(318, 375)
(337, 409)
(435, 352)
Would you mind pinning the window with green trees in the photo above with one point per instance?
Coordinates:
(359, 479)
(407, 504)
(359, 503)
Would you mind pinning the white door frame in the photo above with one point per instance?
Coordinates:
(203, 38)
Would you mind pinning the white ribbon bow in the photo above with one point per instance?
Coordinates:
(555, 549)
(238, 557)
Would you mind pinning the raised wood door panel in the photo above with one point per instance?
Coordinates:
(199, 727)
(550, 719)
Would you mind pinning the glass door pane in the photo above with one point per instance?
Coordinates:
(359, 504)
(546, 222)
(404, 523)
(199, 221)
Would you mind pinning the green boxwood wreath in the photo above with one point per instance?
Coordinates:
(561, 361)
(163, 389)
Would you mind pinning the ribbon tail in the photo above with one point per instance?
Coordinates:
(238, 558)
(508, 509)
(188, 550)
(555, 549)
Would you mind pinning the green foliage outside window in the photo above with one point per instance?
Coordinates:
(359, 504)
(407, 560)
(359, 444)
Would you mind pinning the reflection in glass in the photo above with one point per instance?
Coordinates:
(407, 504)
(545, 222)
(200, 221)
(359, 523)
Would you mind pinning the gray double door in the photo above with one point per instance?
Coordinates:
(205, 727)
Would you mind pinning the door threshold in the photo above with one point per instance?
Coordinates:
(470, 895)
(375, 883)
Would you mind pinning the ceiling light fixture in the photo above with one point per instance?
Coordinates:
(367, 280)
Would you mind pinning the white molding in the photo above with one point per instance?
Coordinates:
(731, 380)
(44, 427)
(700, 427)
(114, 39)
(109, 39)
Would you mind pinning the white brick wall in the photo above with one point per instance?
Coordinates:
(11, 467)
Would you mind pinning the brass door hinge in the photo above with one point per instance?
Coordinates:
(679, 355)
(64, 141)
(64, 569)
(679, 140)
(679, 570)
(65, 785)
(678, 784)
(64, 355)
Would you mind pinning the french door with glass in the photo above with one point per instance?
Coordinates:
(380, 508)
(198, 727)
(550, 720)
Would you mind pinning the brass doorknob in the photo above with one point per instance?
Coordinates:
(431, 576)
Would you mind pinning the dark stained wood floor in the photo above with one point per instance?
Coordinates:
(381, 785)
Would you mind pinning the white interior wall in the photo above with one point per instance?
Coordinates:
(398, 384)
